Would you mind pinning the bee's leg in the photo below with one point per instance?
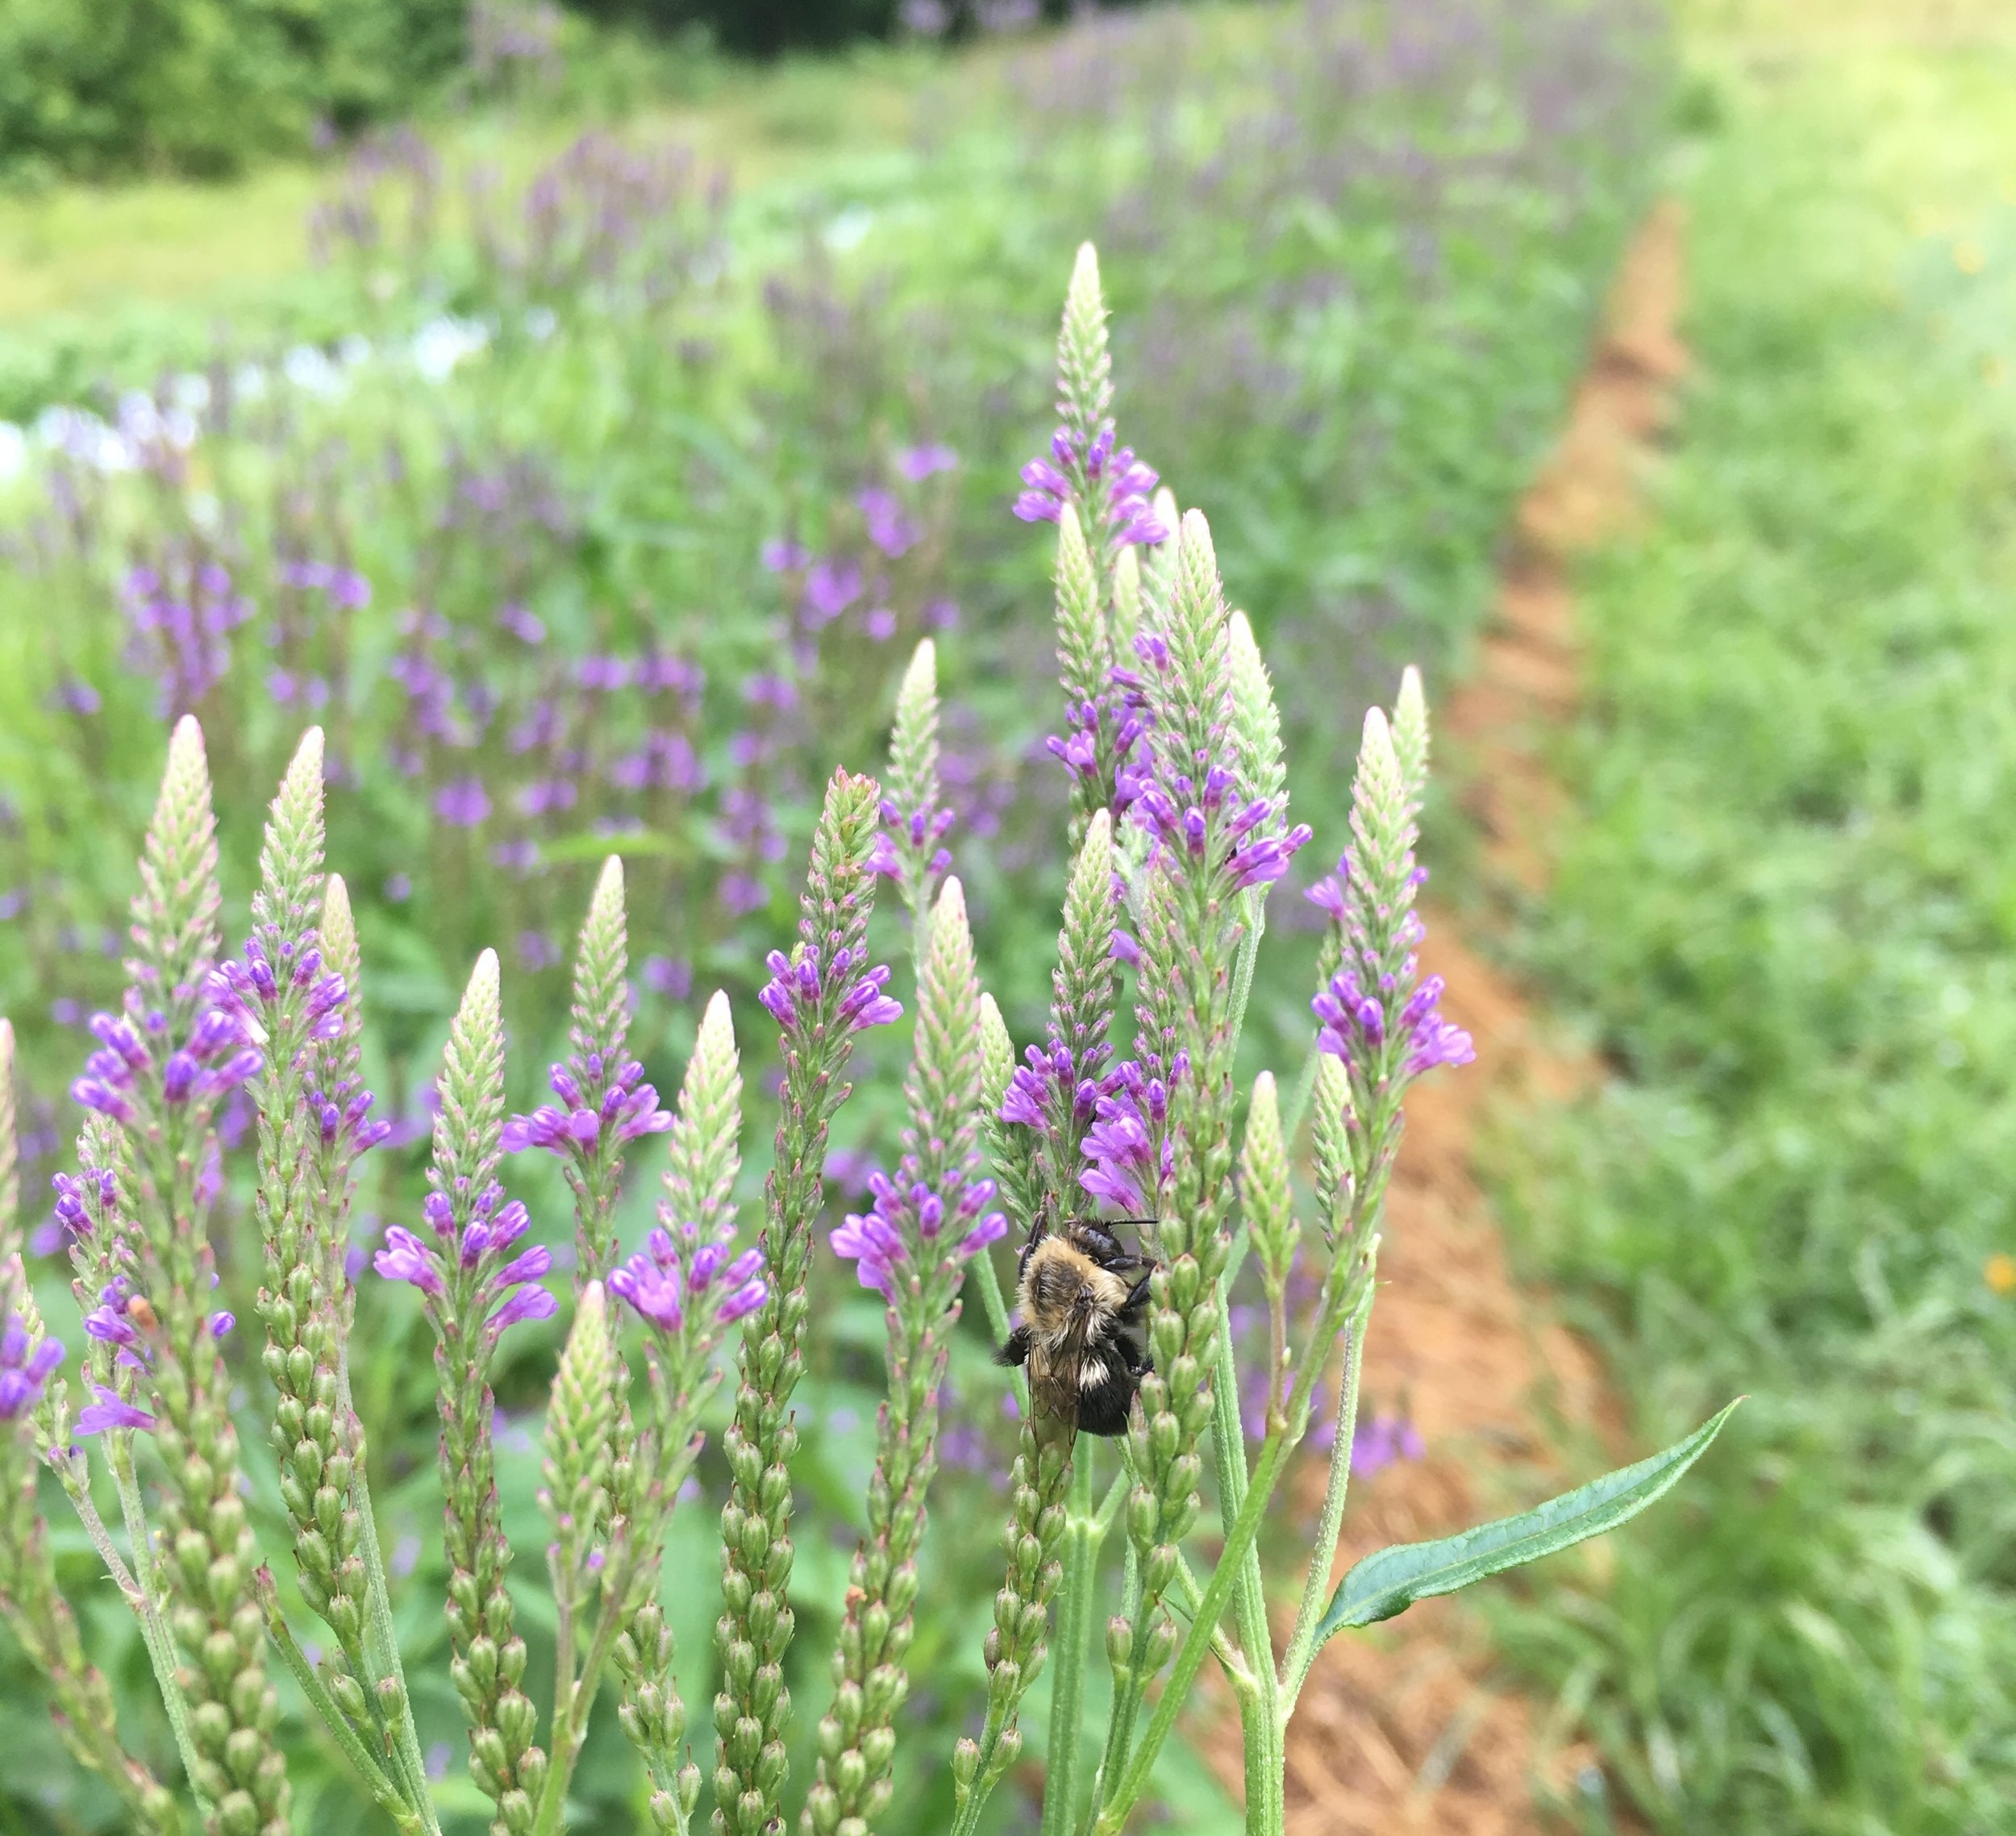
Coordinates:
(1132, 1308)
(1038, 1228)
(1016, 1350)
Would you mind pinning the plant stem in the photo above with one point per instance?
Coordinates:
(572, 1709)
(1074, 1626)
(387, 1797)
(1301, 1641)
(1260, 1714)
(381, 1643)
(160, 1648)
(1122, 1791)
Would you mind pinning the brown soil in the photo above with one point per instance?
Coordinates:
(1408, 1728)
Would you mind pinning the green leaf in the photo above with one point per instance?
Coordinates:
(1392, 1579)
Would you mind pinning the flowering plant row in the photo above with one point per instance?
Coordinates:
(1179, 824)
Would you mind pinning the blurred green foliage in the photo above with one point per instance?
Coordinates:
(203, 86)
(1788, 919)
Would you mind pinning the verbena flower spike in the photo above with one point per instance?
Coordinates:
(689, 1286)
(909, 850)
(476, 1283)
(821, 996)
(162, 1066)
(929, 1221)
(604, 1101)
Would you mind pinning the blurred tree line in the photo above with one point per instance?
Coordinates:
(96, 88)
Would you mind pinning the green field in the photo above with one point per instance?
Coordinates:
(1784, 921)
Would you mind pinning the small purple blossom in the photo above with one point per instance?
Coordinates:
(25, 1368)
(111, 1411)
(918, 463)
(1129, 1154)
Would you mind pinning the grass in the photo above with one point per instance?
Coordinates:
(1785, 917)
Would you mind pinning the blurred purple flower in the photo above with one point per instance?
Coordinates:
(463, 803)
(918, 463)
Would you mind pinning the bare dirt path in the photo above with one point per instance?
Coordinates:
(1408, 1729)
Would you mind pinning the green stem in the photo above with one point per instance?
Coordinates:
(387, 1797)
(381, 1643)
(1301, 1641)
(1074, 1625)
(991, 1298)
(1260, 1716)
(1237, 1670)
(570, 1715)
(161, 1647)
(1124, 1790)
(1125, 1702)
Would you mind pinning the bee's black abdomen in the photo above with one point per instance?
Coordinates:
(1103, 1406)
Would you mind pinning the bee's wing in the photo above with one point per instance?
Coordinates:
(1055, 1359)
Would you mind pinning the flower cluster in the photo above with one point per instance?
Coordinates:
(509, 1289)
(1131, 1155)
(676, 1274)
(1048, 1086)
(908, 1218)
(1124, 481)
(1357, 1022)
(252, 990)
(180, 615)
(798, 982)
(1182, 813)
(218, 1056)
(73, 1192)
(916, 830)
(25, 1365)
(625, 1108)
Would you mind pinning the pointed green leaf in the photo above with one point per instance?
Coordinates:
(1393, 1580)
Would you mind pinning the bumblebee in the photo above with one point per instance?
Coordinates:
(1082, 1296)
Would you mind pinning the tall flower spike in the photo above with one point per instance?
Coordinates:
(476, 1284)
(31, 1605)
(820, 1005)
(285, 990)
(604, 1102)
(1164, 1130)
(909, 850)
(689, 1286)
(161, 1069)
(929, 1221)
(1379, 1016)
